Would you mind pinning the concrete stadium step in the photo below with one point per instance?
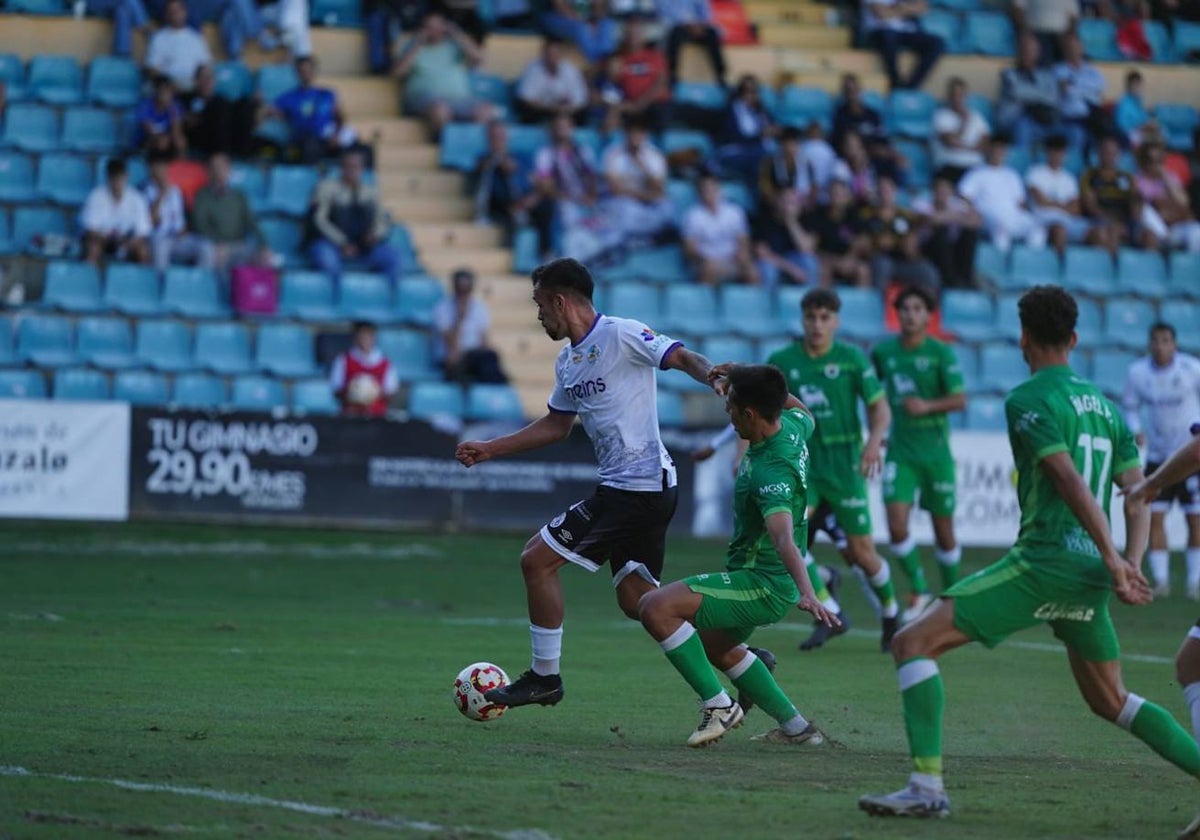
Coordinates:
(428, 183)
(442, 262)
(366, 96)
(454, 236)
(831, 81)
(392, 131)
(786, 11)
(837, 59)
(802, 36)
(408, 209)
(420, 158)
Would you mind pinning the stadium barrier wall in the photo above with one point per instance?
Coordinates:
(64, 460)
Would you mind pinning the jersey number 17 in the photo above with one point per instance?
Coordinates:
(1093, 448)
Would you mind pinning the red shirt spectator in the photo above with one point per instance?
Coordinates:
(363, 380)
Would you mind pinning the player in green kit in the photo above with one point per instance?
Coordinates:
(764, 573)
(1070, 446)
(924, 383)
(830, 377)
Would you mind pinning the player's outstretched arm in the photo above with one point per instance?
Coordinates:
(780, 528)
(1183, 462)
(918, 407)
(691, 363)
(1137, 518)
(544, 431)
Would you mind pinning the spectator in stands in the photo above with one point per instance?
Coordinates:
(855, 168)
(435, 66)
(380, 17)
(170, 240)
(271, 22)
(115, 219)
(842, 251)
(746, 132)
(895, 25)
(1131, 116)
(895, 242)
(212, 123)
(565, 181)
(158, 122)
(317, 127)
(1081, 92)
(128, 16)
(818, 161)
(998, 194)
(222, 218)
(638, 84)
(465, 15)
(635, 172)
(585, 24)
(1054, 197)
(349, 224)
(177, 51)
(853, 114)
(716, 238)
(363, 360)
(502, 192)
(960, 133)
(1050, 21)
(549, 85)
(691, 21)
(1166, 213)
(783, 249)
(1110, 201)
(1028, 106)
(949, 232)
(462, 322)
(783, 181)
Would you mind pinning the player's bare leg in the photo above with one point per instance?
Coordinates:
(1187, 672)
(907, 555)
(860, 551)
(1193, 555)
(947, 551)
(1159, 555)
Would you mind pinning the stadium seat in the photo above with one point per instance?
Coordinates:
(1089, 270)
(7, 353)
(400, 239)
(140, 387)
(114, 82)
(787, 309)
(1184, 316)
(981, 103)
(525, 250)
(1109, 369)
(690, 310)
(37, 7)
(55, 79)
(16, 177)
(494, 402)
(991, 264)
(910, 113)
(947, 25)
(345, 13)
(365, 296)
(252, 181)
(410, 353)
(17, 384)
(525, 140)
(748, 311)
(1178, 121)
(257, 393)
(633, 300)
(740, 194)
(1141, 273)
(200, 390)
(72, 287)
(659, 265)
(165, 345)
(192, 292)
(920, 163)
(679, 139)
(131, 289)
(462, 144)
(285, 350)
(224, 347)
(862, 313)
(727, 348)
(429, 400)
(970, 315)
(493, 89)
(801, 106)
(670, 409)
(284, 236)
(80, 384)
(416, 298)
(46, 341)
(307, 295)
(314, 396)
(276, 79)
(105, 342)
(32, 128)
(12, 75)
(290, 189)
(30, 226)
(1090, 325)
(1185, 268)
(700, 95)
(1187, 40)
(1099, 37)
(234, 80)
(990, 33)
(985, 414)
(91, 130)
(1033, 267)
(6, 239)
(136, 170)
(1162, 51)
(64, 179)
(1001, 367)
(968, 363)
(1127, 321)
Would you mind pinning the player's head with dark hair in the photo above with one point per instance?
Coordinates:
(819, 310)
(362, 334)
(1162, 342)
(915, 291)
(821, 299)
(562, 290)
(1048, 317)
(756, 395)
(913, 307)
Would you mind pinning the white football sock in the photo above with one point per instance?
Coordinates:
(1192, 557)
(928, 781)
(949, 557)
(1191, 696)
(1160, 566)
(547, 649)
(879, 579)
(794, 726)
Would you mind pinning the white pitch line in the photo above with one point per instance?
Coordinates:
(377, 821)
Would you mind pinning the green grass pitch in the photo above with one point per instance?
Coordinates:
(315, 667)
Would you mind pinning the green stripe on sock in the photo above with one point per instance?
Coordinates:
(691, 662)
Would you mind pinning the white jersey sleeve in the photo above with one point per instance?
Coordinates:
(642, 345)
(1170, 397)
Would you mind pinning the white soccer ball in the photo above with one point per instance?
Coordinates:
(363, 389)
(470, 685)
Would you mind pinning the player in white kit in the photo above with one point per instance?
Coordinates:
(606, 377)
(1167, 384)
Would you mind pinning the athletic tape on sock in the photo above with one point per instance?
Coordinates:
(883, 575)
(916, 671)
(677, 638)
(1133, 704)
(949, 557)
(546, 645)
(1194, 633)
(1160, 565)
(743, 666)
(902, 548)
(1192, 560)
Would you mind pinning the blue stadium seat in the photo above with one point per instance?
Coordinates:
(80, 384)
(64, 179)
(91, 130)
(12, 74)
(365, 295)
(136, 170)
(31, 224)
(462, 144)
(1178, 121)
(959, 5)
(140, 387)
(862, 313)
(1008, 320)
(493, 89)
(17, 384)
(6, 239)
(72, 286)
(633, 300)
(410, 353)
(234, 79)
(290, 189)
(46, 341)
(165, 345)
(1185, 268)
(400, 239)
(659, 265)
(947, 25)
(192, 292)
(56, 79)
(224, 347)
(700, 94)
(682, 194)
(1033, 267)
(690, 310)
(525, 140)
(1090, 325)
(910, 113)
(252, 181)
(429, 400)
(257, 393)
(971, 315)
(670, 409)
(1109, 370)
(105, 342)
(920, 163)
(990, 33)
(200, 390)
(416, 298)
(32, 128)
(131, 289)
(1089, 270)
(680, 139)
(985, 414)
(276, 79)
(787, 310)
(738, 193)
(748, 311)
(991, 264)
(307, 295)
(1001, 367)
(1184, 316)
(968, 363)
(37, 7)
(114, 82)
(16, 177)
(313, 396)
(345, 13)
(1141, 273)
(801, 106)
(1127, 321)
(525, 250)
(1187, 39)
(494, 402)
(1099, 37)
(1162, 51)
(7, 353)
(727, 348)
(285, 350)
(284, 236)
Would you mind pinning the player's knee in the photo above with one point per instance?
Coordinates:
(536, 560)
(907, 645)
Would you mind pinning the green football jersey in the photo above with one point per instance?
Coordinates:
(772, 477)
(1057, 411)
(930, 371)
(830, 385)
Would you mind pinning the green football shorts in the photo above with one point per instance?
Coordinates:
(935, 481)
(1015, 593)
(741, 600)
(846, 493)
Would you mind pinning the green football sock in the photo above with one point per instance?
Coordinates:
(885, 590)
(924, 700)
(686, 652)
(757, 682)
(814, 575)
(950, 564)
(1155, 726)
(909, 557)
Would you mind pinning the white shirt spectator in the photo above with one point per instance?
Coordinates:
(1057, 185)
(971, 129)
(872, 21)
(715, 234)
(105, 215)
(473, 327)
(178, 54)
(678, 12)
(1080, 89)
(337, 373)
(621, 165)
(1049, 15)
(568, 167)
(999, 196)
(565, 88)
(1171, 396)
(172, 220)
(818, 161)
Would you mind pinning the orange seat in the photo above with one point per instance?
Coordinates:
(892, 321)
(189, 176)
(736, 28)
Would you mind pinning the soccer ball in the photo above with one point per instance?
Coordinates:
(363, 389)
(470, 685)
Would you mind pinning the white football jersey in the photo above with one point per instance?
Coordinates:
(1171, 396)
(608, 380)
